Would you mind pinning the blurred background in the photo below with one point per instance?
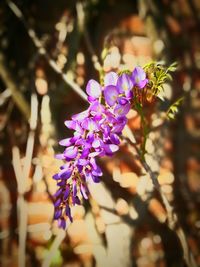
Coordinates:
(48, 51)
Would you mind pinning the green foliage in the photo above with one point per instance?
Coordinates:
(158, 75)
(173, 109)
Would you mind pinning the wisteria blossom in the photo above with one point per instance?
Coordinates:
(97, 132)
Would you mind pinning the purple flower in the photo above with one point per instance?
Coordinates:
(93, 89)
(111, 94)
(139, 77)
(97, 133)
(110, 78)
(71, 152)
(124, 84)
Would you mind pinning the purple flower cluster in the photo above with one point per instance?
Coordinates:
(96, 134)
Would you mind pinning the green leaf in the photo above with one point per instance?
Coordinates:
(173, 109)
(158, 75)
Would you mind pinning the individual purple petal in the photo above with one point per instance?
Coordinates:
(65, 166)
(114, 139)
(65, 142)
(56, 176)
(139, 77)
(73, 125)
(61, 183)
(70, 124)
(80, 116)
(62, 223)
(97, 171)
(110, 78)
(66, 193)
(74, 188)
(143, 83)
(93, 89)
(58, 192)
(90, 137)
(122, 110)
(71, 152)
(82, 162)
(65, 173)
(84, 191)
(59, 156)
(111, 94)
(124, 83)
(68, 213)
(85, 153)
(122, 100)
(76, 200)
(57, 203)
(57, 214)
(96, 179)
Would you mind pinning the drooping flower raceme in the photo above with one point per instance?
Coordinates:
(97, 133)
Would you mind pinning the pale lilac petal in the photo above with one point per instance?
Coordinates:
(83, 162)
(143, 83)
(59, 156)
(93, 89)
(111, 94)
(122, 110)
(96, 109)
(65, 142)
(139, 77)
(96, 143)
(71, 152)
(110, 78)
(97, 171)
(111, 148)
(80, 116)
(73, 125)
(124, 83)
